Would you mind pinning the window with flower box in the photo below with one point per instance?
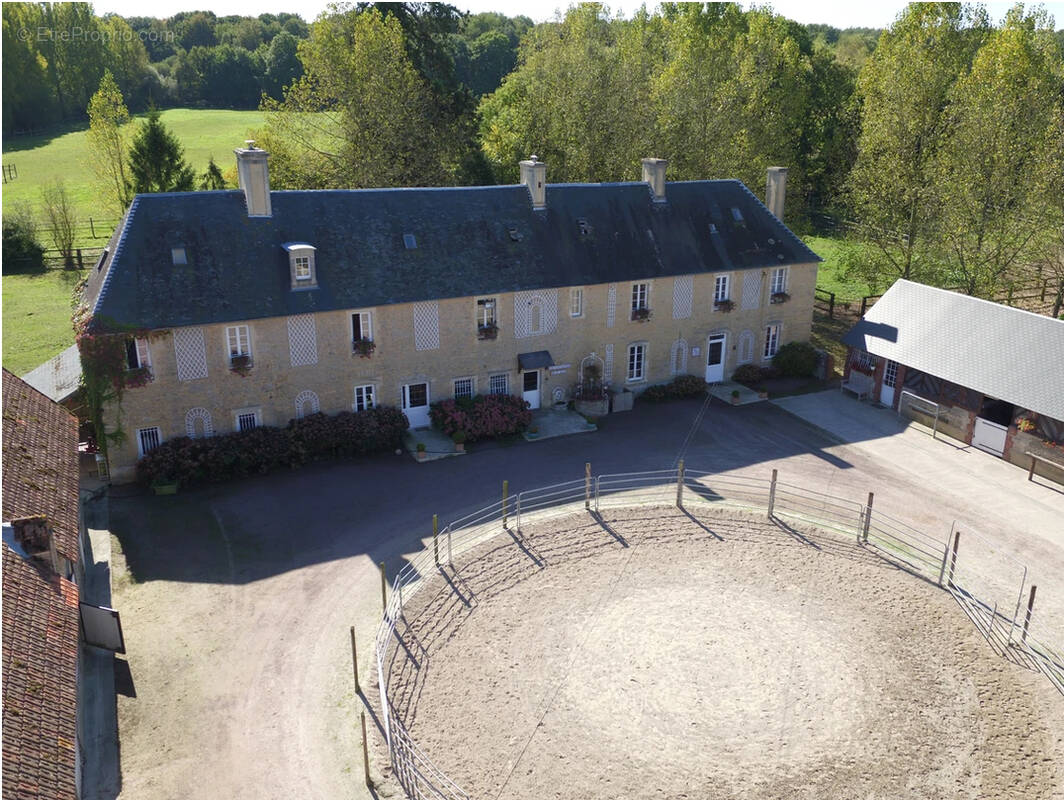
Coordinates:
(487, 320)
(640, 301)
(238, 339)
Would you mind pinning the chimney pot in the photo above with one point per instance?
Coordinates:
(254, 174)
(534, 176)
(776, 190)
(654, 174)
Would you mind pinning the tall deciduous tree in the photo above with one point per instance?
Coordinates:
(109, 143)
(361, 115)
(62, 218)
(991, 168)
(156, 160)
(905, 87)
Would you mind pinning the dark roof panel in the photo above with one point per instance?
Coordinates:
(470, 240)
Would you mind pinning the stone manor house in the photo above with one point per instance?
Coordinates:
(268, 305)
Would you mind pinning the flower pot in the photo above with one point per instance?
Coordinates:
(421, 455)
(459, 447)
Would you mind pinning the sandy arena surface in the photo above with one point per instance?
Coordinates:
(655, 654)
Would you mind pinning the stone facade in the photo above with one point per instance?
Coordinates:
(310, 361)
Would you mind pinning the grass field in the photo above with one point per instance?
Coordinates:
(64, 154)
(831, 275)
(36, 317)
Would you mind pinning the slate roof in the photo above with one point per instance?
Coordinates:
(1003, 352)
(58, 377)
(470, 240)
(40, 454)
(40, 656)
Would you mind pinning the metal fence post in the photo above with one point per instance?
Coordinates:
(587, 486)
(679, 484)
(1027, 617)
(505, 496)
(365, 751)
(867, 517)
(436, 538)
(384, 589)
(772, 494)
(953, 557)
(354, 660)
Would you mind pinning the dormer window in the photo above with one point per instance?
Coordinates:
(301, 265)
(178, 255)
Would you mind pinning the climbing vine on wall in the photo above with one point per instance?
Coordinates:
(104, 370)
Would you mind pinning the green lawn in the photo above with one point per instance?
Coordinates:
(830, 276)
(64, 154)
(37, 317)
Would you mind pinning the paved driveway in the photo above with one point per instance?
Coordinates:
(236, 601)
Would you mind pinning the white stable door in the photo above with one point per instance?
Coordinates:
(530, 388)
(890, 378)
(416, 404)
(715, 350)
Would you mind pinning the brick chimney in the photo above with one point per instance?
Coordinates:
(654, 174)
(534, 176)
(254, 179)
(776, 190)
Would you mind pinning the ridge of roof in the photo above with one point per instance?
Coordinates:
(970, 298)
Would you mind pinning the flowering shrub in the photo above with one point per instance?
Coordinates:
(363, 348)
(264, 449)
(1024, 424)
(481, 417)
(679, 388)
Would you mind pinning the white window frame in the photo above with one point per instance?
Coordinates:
(142, 351)
(493, 383)
(719, 294)
(640, 295)
(254, 413)
(179, 256)
(301, 264)
(238, 340)
(636, 365)
(365, 396)
(365, 323)
(141, 452)
(773, 332)
(576, 302)
(779, 280)
(487, 312)
(472, 387)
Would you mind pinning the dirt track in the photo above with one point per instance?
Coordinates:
(656, 655)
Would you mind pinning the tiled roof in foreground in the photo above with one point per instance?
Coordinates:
(40, 462)
(40, 657)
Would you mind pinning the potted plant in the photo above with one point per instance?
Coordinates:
(724, 305)
(735, 397)
(640, 314)
(141, 376)
(363, 348)
(489, 330)
(459, 439)
(780, 297)
(762, 393)
(241, 365)
(420, 451)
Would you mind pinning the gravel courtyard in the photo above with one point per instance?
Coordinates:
(650, 653)
(236, 600)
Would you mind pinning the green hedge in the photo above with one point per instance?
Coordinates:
(681, 387)
(265, 449)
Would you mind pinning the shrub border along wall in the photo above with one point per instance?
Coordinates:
(264, 449)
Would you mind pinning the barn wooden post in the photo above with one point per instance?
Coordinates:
(679, 484)
(772, 494)
(436, 538)
(953, 557)
(354, 659)
(365, 750)
(867, 517)
(1027, 618)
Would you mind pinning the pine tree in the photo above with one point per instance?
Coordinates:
(156, 162)
(212, 179)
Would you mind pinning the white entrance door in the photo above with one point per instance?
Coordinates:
(890, 378)
(989, 436)
(715, 357)
(416, 404)
(530, 393)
